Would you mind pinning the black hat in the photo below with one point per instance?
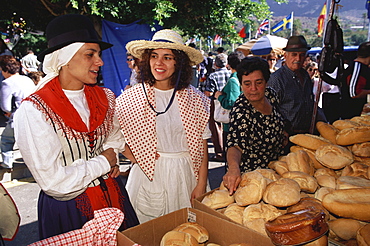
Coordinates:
(363, 50)
(67, 29)
(297, 44)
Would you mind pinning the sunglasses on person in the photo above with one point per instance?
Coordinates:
(312, 69)
(129, 59)
(272, 59)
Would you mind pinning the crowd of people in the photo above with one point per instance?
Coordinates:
(70, 130)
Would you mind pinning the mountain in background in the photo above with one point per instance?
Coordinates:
(312, 8)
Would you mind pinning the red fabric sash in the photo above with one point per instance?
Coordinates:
(55, 98)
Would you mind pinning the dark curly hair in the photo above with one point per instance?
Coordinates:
(181, 59)
(251, 64)
(9, 64)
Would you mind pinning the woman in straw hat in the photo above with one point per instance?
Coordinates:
(67, 133)
(164, 120)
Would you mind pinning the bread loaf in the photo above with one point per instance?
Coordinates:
(269, 174)
(353, 135)
(308, 141)
(251, 188)
(349, 182)
(197, 231)
(326, 177)
(300, 161)
(279, 166)
(349, 203)
(365, 120)
(235, 213)
(345, 124)
(218, 199)
(175, 238)
(306, 182)
(282, 193)
(256, 215)
(334, 156)
(323, 191)
(327, 131)
(361, 149)
(344, 229)
(311, 154)
(357, 169)
(363, 236)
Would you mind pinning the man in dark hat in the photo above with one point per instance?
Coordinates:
(356, 86)
(294, 87)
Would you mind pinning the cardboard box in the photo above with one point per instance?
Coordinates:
(221, 231)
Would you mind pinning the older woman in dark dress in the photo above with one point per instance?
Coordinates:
(256, 134)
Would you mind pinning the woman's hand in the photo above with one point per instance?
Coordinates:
(111, 157)
(197, 192)
(232, 179)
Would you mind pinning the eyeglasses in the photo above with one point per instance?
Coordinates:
(272, 59)
(311, 69)
(130, 59)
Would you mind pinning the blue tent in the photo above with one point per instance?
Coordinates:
(115, 71)
(350, 52)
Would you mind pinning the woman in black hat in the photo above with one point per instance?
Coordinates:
(67, 132)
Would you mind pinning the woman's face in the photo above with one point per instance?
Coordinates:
(162, 64)
(130, 62)
(83, 68)
(312, 71)
(272, 62)
(253, 86)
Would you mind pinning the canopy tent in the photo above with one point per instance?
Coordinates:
(264, 45)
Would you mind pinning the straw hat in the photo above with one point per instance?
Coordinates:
(67, 29)
(164, 39)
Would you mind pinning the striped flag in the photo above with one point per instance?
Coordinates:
(218, 39)
(265, 25)
(321, 21)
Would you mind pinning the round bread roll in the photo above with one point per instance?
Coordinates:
(282, 193)
(326, 177)
(300, 161)
(269, 174)
(222, 186)
(257, 225)
(176, 238)
(364, 160)
(251, 188)
(235, 213)
(361, 149)
(305, 181)
(350, 182)
(363, 236)
(357, 169)
(334, 156)
(308, 141)
(325, 171)
(279, 166)
(197, 231)
(218, 199)
(323, 191)
(327, 131)
(344, 229)
(353, 135)
(349, 203)
(262, 211)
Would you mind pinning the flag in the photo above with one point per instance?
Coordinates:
(218, 39)
(368, 8)
(244, 32)
(286, 23)
(265, 25)
(321, 21)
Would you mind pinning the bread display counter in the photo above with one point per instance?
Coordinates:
(333, 169)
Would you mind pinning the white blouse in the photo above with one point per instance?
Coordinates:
(41, 150)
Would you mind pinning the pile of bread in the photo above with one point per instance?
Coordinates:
(333, 169)
(189, 234)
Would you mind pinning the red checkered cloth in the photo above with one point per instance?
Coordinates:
(101, 230)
